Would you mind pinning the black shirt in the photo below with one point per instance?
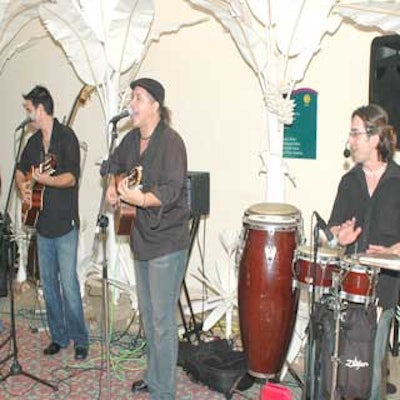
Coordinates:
(157, 230)
(60, 206)
(379, 217)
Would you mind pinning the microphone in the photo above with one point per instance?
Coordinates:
(321, 224)
(123, 114)
(25, 122)
(347, 152)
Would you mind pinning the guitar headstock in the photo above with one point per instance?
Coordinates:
(85, 93)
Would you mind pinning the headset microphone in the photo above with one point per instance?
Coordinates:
(347, 152)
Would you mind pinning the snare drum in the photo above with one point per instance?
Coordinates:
(327, 262)
(267, 301)
(357, 282)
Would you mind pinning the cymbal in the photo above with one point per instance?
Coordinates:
(380, 260)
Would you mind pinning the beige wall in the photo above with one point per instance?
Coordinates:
(217, 108)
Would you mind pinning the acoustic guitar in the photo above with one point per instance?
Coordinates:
(125, 213)
(31, 209)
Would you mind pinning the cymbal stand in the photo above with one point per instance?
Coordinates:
(9, 255)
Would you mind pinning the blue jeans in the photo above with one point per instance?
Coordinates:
(158, 285)
(57, 261)
(381, 346)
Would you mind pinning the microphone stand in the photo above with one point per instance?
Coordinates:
(102, 225)
(9, 256)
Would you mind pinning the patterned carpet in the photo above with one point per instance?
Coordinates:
(86, 380)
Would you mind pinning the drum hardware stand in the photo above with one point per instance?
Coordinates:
(295, 376)
(195, 327)
(9, 256)
(395, 346)
(336, 317)
(310, 390)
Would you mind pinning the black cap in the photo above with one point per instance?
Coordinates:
(152, 86)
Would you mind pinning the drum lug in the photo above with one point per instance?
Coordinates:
(270, 252)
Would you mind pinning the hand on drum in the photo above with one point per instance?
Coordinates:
(394, 249)
(347, 233)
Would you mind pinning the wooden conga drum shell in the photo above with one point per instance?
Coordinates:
(267, 300)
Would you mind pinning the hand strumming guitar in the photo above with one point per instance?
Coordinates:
(132, 196)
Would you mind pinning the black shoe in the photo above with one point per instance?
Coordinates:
(390, 388)
(51, 349)
(81, 352)
(139, 386)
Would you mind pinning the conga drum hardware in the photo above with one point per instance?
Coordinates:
(267, 301)
(357, 281)
(307, 274)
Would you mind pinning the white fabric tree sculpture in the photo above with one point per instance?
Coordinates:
(103, 39)
(277, 39)
(384, 15)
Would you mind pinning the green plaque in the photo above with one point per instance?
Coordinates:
(300, 138)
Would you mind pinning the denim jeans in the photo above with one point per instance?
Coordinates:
(380, 349)
(158, 286)
(58, 275)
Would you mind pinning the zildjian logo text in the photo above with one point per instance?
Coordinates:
(356, 364)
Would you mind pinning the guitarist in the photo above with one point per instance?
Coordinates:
(160, 237)
(58, 223)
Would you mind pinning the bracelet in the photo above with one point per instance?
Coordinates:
(144, 200)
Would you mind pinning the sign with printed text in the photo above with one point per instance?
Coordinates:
(300, 138)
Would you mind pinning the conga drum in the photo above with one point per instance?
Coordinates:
(319, 276)
(357, 282)
(267, 297)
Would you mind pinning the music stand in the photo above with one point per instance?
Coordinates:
(9, 257)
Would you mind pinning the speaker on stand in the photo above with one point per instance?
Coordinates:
(384, 82)
(198, 197)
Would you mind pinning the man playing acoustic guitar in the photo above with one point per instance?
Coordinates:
(57, 224)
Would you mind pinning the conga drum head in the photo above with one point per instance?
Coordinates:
(263, 215)
(324, 254)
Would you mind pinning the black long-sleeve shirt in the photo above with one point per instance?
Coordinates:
(157, 231)
(379, 217)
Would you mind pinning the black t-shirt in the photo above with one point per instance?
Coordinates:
(60, 206)
(157, 230)
(379, 217)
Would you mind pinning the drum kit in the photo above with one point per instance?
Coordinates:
(275, 267)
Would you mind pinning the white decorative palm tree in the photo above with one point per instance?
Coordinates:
(222, 300)
(103, 39)
(277, 39)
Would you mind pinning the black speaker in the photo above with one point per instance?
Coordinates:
(384, 82)
(198, 193)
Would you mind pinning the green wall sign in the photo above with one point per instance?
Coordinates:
(300, 138)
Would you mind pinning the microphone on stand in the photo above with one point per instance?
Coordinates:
(321, 224)
(123, 114)
(25, 122)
